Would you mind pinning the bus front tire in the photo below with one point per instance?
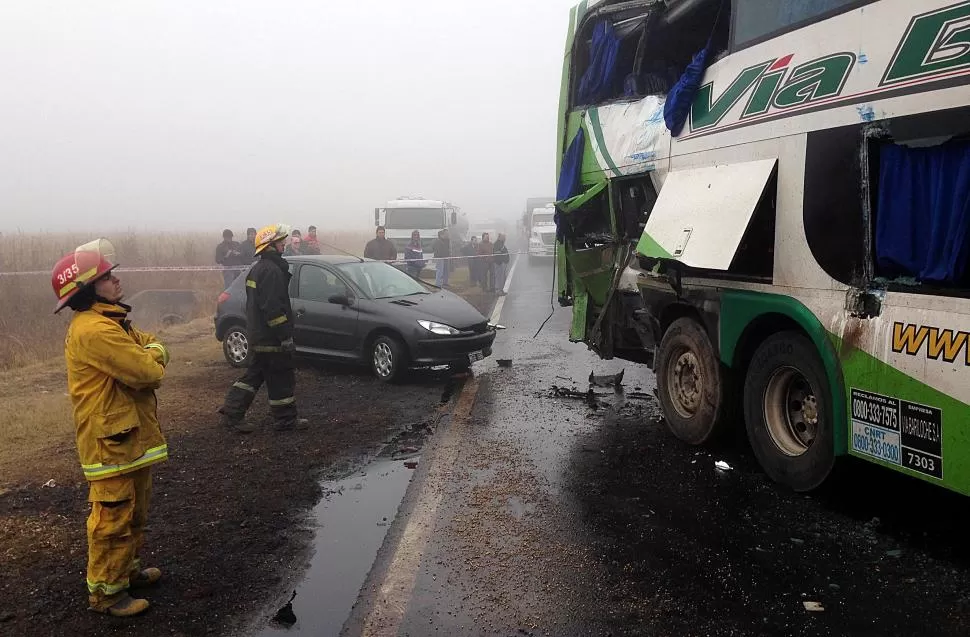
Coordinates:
(689, 383)
(788, 412)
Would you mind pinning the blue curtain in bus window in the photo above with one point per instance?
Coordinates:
(681, 96)
(923, 214)
(572, 166)
(597, 82)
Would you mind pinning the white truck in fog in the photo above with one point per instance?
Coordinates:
(542, 232)
(402, 216)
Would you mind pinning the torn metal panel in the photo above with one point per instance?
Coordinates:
(702, 214)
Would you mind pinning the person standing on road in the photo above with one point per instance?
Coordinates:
(380, 248)
(469, 251)
(485, 263)
(113, 370)
(269, 321)
(311, 245)
(414, 256)
(248, 247)
(228, 255)
(500, 263)
(442, 254)
(295, 246)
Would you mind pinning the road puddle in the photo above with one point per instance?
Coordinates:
(353, 519)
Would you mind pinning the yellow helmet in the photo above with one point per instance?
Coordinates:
(271, 234)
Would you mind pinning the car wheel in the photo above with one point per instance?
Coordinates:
(235, 346)
(689, 383)
(388, 358)
(788, 412)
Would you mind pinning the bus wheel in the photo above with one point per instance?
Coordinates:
(788, 412)
(689, 382)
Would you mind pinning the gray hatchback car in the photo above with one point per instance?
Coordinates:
(367, 312)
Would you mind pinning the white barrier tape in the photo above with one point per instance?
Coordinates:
(213, 268)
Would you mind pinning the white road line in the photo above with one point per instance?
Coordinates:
(500, 304)
(508, 279)
(391, 603)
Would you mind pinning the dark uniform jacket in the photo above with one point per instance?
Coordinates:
(269, 315)
(380, 249)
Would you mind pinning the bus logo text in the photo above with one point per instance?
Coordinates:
(936, 343)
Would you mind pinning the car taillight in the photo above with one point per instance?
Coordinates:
(222, 298)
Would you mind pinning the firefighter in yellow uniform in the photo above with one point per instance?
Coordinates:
(113, 371)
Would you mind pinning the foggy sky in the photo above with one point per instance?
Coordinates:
(197, 115)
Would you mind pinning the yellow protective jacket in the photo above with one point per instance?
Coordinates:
(113, 370)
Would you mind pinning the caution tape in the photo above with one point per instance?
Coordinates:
(215, 268)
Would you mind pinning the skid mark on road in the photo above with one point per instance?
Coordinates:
(398, 585)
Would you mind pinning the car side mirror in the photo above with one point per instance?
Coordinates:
(339, 299)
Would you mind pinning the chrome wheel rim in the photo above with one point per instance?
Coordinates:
(791, 411)
(237, 344)
(383, 359)
(686, 383)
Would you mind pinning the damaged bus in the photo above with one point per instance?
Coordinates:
(769, 203)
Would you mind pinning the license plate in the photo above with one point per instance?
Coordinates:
(474, 357)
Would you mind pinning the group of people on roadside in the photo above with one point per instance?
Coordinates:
(487, 262)
(234, 256)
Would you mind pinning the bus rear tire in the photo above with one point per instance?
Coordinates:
(690, 383)
(788, 412)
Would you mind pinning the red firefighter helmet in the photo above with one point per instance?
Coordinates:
(80, 269)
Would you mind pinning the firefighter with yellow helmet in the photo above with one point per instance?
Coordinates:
(113, 370)
(269, 321)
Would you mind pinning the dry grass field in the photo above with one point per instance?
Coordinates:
(30, 333)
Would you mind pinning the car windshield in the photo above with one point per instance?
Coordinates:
(381, 281)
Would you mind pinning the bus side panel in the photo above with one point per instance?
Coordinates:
(907, 375)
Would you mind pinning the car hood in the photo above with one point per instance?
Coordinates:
(441, 306)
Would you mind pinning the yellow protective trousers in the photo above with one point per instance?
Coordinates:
(116, 532)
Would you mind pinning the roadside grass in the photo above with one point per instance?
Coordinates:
(30, 333)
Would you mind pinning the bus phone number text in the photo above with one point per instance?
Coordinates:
(876, 432)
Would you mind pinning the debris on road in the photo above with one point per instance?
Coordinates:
(504, 362)
(610, 380)
(50, 484)
(813, 607)
(723, 466)
(894, 553)
(411, 464)
(797, 541)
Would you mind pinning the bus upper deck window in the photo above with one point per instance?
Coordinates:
(759, 20)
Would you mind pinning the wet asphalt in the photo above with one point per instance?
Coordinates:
(539, 509)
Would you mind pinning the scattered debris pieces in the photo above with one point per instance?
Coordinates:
(50, 484)
(894, 553)
(813, 607)
(723, 466)
(504, 362)
(610, 380)
(411, 464)
(797, 541)
(835, 587)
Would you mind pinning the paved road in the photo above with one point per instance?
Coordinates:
(537, 512)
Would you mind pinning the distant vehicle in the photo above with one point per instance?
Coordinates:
(366, 312)
(542, 232)
(401, 216)
(479, 228)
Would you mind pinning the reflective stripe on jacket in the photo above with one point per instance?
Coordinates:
(113, 370)
(269, 316)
